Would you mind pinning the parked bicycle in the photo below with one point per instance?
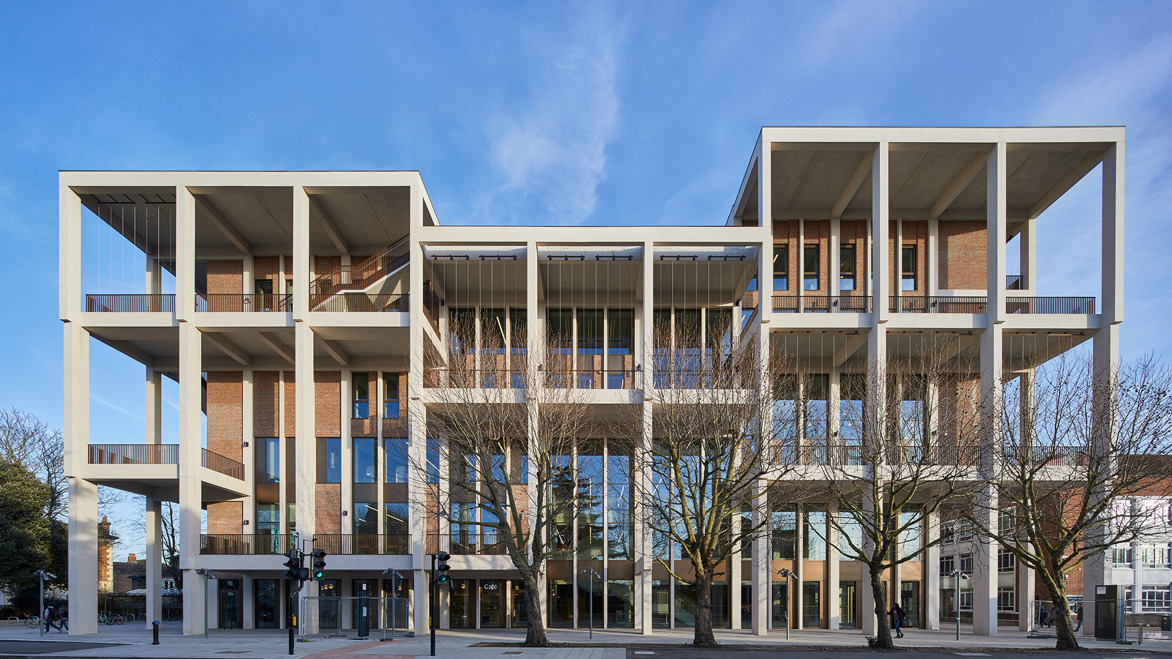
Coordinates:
(111, 618)
(32, 621)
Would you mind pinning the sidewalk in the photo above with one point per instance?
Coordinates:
(131, 640)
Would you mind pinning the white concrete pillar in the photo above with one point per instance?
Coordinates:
(984, 579)
(1028, 257)
(880, 216)
(765, 212)
(190, 480)
(996, 215)
(83, 556)
(248, 454)
(932, 572)
(868, 622)
(154, 406)
(642, 528)
(1105, 356)
(248, 597)
(301, 258)
(835, 258)
(69, 256)
(1112, 289)
(798, 598)
(154, 560)
(932, 258)
(1025, 595)
(184, 255)
(762, 560)
(306, 454)
(833, 569)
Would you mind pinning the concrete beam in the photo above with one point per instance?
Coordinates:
(334, 350)
(958, 185)
(217, 218)
(234, 351)
(1075, 175)
(329, 226)
(273, 341)
(852, 185)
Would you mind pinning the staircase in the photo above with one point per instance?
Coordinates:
(358, 278)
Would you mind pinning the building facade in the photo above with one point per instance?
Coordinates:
(308, 318)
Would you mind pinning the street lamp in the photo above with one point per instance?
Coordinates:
(958, 575)
(787, 575)
(207, 575)
(593, 575)
(42, 577)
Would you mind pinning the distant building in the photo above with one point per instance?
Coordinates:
(106, 542)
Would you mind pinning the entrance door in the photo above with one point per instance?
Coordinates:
(462, 598)
(520, 620)
(266, 604)
(847, 604)
(492, 600)
(230, 610)
(811, 604)
(909, 599)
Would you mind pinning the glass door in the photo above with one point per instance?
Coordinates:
(909, 599)
(463, 603)
(230, 609)
(847, 599)
(811, 604)
(492, 600)
(266, 604)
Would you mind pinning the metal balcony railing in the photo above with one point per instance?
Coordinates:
(363, 544)
(243, 544)
(1054, 305)
(132, 303)
(133, 454)
(822, 304)
(242, 302)
(1014, 282)
(223, 464)
(363, 303)
(938, 304)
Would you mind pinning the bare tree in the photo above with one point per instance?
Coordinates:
(27, 440)
(714, 444)
(1085, 458)
(499, 467)
(907, 447)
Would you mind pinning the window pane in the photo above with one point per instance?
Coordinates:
(396, 457)
(846, 268)
(391, 395)
(620, 331)
(909, 268)
(810, 268)
(360, 397)
(492, 331)
(781, 267)
(272, 459)
(365, 518)
(364, 460)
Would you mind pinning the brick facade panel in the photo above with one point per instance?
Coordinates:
(225, 276)
(328, 497)
(225, 396)
(327, 416)
(226, 517)
(264, 403)
(963, 251)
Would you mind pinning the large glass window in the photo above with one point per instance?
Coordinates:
(397, 528)
(817, 417)
(814, 536)
(846, 267)
(850, 417)
(811, 604)
(850, 537)
(618, 502)
(329, 460)
(365, 518)
(360, 397)
(590, 500)
(492, 331)
(391, 395)
(518, 331)
(268, 518)
(784, 526)
(396, 459)
(811, 268)
(908, 268)
(909, 541)
(271, 458)
(561, 330)
(620, 603)
(365, 469)
(781, 267)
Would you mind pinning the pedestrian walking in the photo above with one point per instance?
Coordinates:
(897, 620)
(50, 618)
(1043, 615)
(1078, 616)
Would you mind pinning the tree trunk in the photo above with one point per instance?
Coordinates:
(703, 630)
(1063, 629)
(535, 632)
(883, 628)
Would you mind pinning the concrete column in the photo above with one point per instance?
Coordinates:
(1028, 246)
(932, 258)
(69, 256)
(248, 594)
(642, 529)
(306, 455)
(833, 578)
(800, 289)
(213, 608)
(249, 451)
(1026, 595)
(83, 556)
(880, 215)
(834, 258)
(301, 258)
(190, 480)
(797, 597)
(932, 572)
(762, 559)
(1112, 291)
(184, 256)
(764, 210)
(347, 442)
(1105, 351)
(984, 579)
(416, 428)
(154, 406)
(154, 560)
(996, 214)
(867, 620)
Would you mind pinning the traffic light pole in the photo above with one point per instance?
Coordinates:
(431, 604)
(293, 613)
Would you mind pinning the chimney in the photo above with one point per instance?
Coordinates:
(130, 558)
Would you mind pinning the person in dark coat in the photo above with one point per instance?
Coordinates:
(897, 620)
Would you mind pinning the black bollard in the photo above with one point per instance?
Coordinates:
(156, 641)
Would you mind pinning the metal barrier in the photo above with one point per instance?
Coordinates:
(338, 616)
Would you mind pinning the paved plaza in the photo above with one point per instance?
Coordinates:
(130, 640)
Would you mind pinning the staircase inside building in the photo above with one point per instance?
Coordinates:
(371, 285)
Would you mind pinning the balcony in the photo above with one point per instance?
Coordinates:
(1050, 305)
(822, 304)
(363, 544)
(133, 454)
(222, 464)
(938, 304)
(131, 303)
(244, 544)
(242, 302)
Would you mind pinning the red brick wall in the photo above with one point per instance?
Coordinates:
(226, 517)
(915, 233)
(268, 267)
(329, 508)
(817, 232)
(264, 403)
(398, 427)
(785, 232)
(327, 393)
(225, 416)
(963, 250)
(324, 264)
(225, 276)
(367, 427)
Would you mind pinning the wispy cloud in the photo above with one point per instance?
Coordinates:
(122, 410)
(555, 147)
(849, 30)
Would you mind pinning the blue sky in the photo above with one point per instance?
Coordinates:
(549, 113)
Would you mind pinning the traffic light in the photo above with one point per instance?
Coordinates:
(443, 567)
(319, 564)
(294, 571)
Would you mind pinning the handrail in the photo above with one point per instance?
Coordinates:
(326, 284)
(938, 304)
(1014, 282)
(130, 303)
(822, 303)
(1054, 305)
(248, 544)
(242, 302)
(223, 464)
(133, 454)
(360, 302)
